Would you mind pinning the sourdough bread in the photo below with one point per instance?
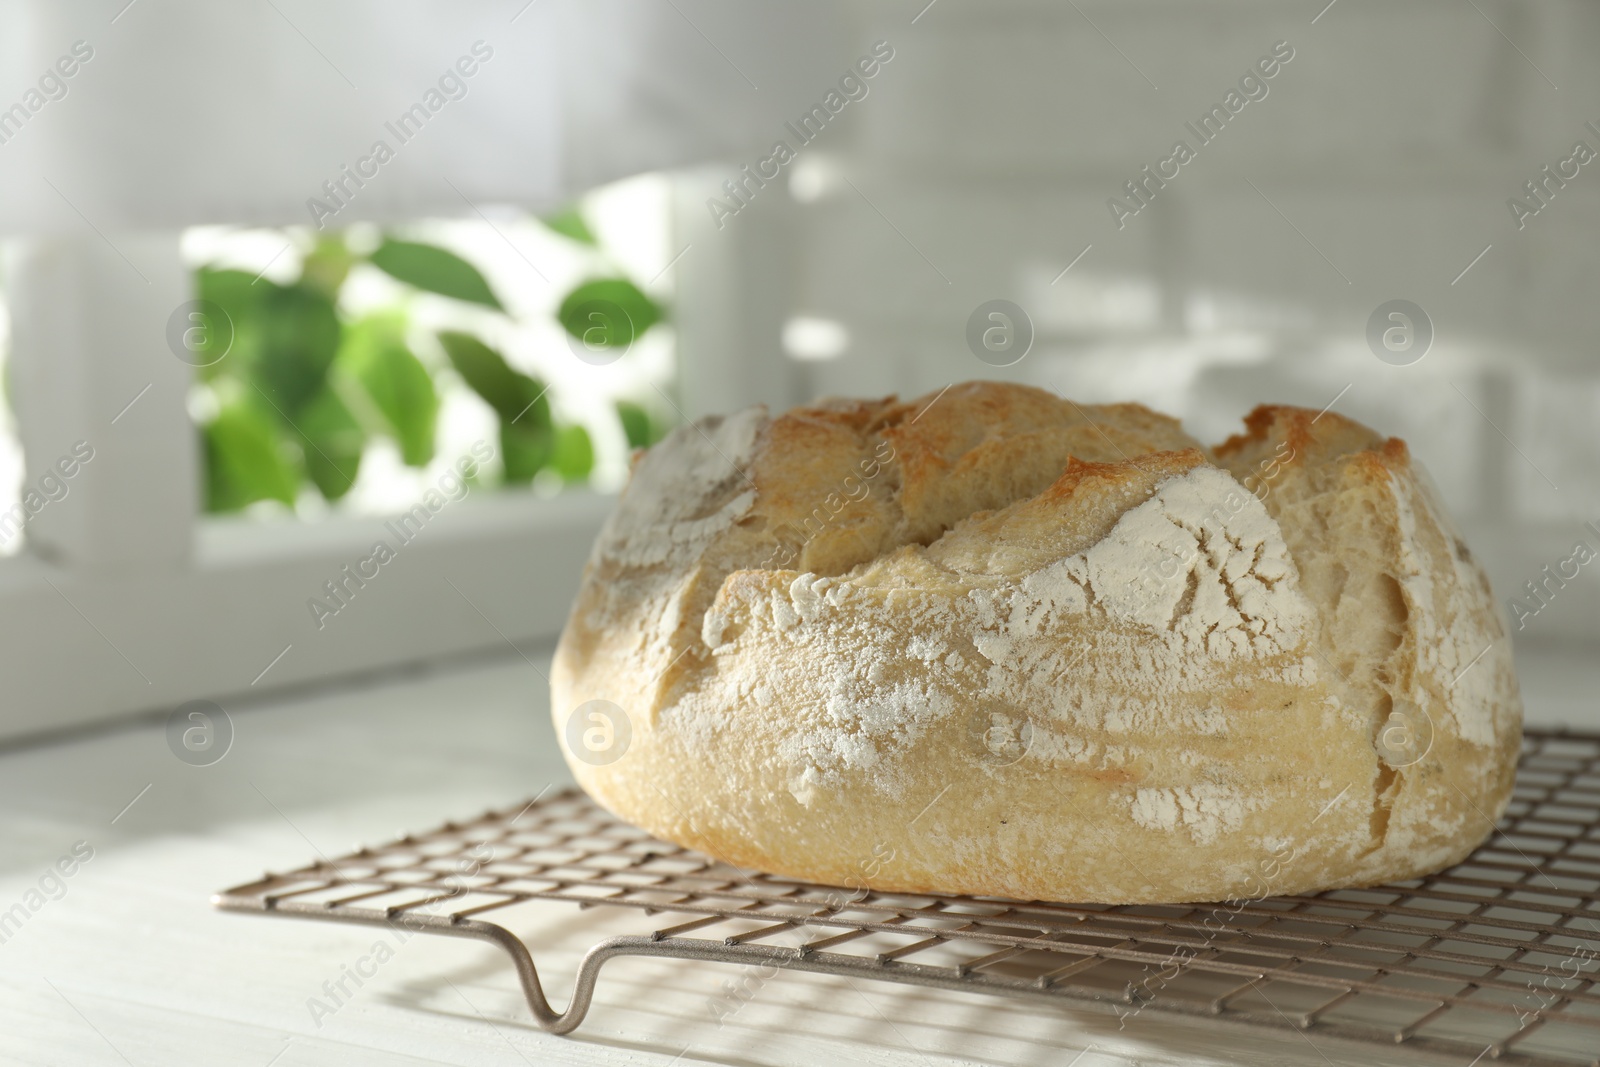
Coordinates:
(995, 642)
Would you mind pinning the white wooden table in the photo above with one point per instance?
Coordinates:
(131, 966)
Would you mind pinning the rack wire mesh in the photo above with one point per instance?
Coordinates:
(1492, 960)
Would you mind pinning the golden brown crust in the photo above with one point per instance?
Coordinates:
(1038, 649)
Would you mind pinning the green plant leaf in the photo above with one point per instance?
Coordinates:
(233, 289)
(589, 312)
(569, 222)
(297, 336)
(508, 391)
(244, 460)
(527, 436)
(636, 425)
(239, 299)
(399, 385)
(331, 442)
(524, 450)
(573, 454)
(328, 264)
(435, 269)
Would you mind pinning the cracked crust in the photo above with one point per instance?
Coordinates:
(994, 642)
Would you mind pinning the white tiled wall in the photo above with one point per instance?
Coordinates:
(980, 164)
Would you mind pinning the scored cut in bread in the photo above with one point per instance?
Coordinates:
(994, 642)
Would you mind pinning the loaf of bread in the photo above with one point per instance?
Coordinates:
(995, 642)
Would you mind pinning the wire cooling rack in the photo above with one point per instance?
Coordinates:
(1494, 960)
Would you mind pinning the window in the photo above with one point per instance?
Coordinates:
(133, 596)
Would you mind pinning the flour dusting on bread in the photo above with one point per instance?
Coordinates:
(1201, 559)
(685, 492)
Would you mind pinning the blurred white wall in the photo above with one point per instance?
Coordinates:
(189, 112)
